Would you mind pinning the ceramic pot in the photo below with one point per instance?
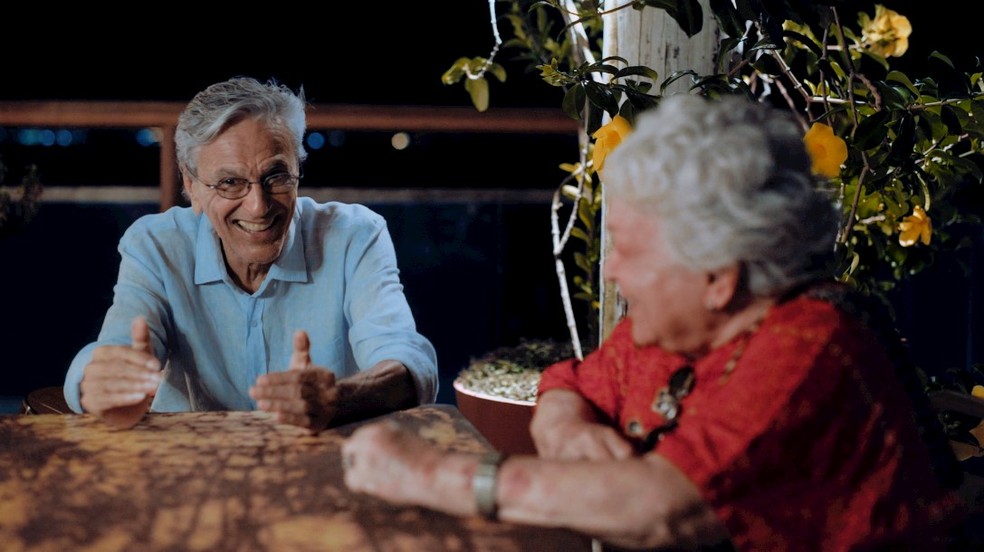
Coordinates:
(505, 423)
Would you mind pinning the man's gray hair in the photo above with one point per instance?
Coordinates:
(222, 104)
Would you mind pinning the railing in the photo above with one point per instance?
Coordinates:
(164, 115)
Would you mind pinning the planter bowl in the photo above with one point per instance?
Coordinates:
(505, 423)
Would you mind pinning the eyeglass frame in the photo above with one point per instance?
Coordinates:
(296, 178)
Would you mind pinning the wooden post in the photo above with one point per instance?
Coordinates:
(651, 38)
(170, 187)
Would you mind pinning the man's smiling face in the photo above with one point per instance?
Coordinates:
(253, 228)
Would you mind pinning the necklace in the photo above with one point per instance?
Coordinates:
(668, 400)
(746, 336)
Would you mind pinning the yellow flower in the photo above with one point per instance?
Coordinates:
(978, 391)
(607, 138)
(887, 34)
(827, 150)
(917, 226)
(963, 451)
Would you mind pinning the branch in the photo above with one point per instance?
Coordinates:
(849, 222)
(558, 247)
(495, 48)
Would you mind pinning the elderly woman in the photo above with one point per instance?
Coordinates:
(216, 301)
(729, 407)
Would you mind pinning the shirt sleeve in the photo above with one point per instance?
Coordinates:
(596, 378)
(139, 291)
(382, 324)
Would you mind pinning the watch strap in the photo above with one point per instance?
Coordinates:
(484, 483)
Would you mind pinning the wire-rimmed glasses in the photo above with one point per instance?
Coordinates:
(232, 187)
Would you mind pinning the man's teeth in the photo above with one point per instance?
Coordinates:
(254, 226)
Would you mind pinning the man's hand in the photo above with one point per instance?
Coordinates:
(305, 395)
(120, 382)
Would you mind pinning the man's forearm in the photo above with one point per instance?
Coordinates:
(386, 387)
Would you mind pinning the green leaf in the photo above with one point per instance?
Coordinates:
(942, 59)
(805, 41)
(455, 72)
(582, 262)
(952, 121)
(586, 215)
(579, 233)
(890, 96)
(676, 75)
(977, 110)
(903, 79)
(905, 139)
(498, 70)
(602, 97)
(687, 13)
(628, 110)
(478, 89)
(969, 167)
(872, 130)
(639, 70)
(631, 86)
(573, 103)
(931, 125)
(599, 68)
(766, 43)
(727, 18)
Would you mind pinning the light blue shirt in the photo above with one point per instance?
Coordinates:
(336, 278)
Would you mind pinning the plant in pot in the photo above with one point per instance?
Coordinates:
(497, 391)
(20, 206)
(904, 152)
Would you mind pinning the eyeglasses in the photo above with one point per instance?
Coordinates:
(234, 187)
(668, 403)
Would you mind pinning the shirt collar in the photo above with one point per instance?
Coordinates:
(291, 266)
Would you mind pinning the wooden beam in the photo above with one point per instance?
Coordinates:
(164, 115)
(320, 117)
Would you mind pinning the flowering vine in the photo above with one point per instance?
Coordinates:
(888, 141)
(902, 151)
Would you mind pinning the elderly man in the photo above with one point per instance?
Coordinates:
(254, 297)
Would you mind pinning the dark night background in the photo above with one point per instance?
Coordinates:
(478, 274)
(348, 52)
(353, 52)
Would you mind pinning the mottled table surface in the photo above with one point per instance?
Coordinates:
(223, 481)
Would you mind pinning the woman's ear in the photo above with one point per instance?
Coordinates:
(722, 287)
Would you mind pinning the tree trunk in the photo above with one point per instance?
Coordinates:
(651, 38)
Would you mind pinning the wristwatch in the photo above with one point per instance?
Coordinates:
(484, 483)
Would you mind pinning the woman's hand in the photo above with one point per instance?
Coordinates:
(382, 460)
(564, 428)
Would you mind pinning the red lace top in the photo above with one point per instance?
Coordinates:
(809, 444)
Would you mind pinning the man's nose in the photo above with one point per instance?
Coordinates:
(257, 199)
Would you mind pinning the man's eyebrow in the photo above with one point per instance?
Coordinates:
(276, 165)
